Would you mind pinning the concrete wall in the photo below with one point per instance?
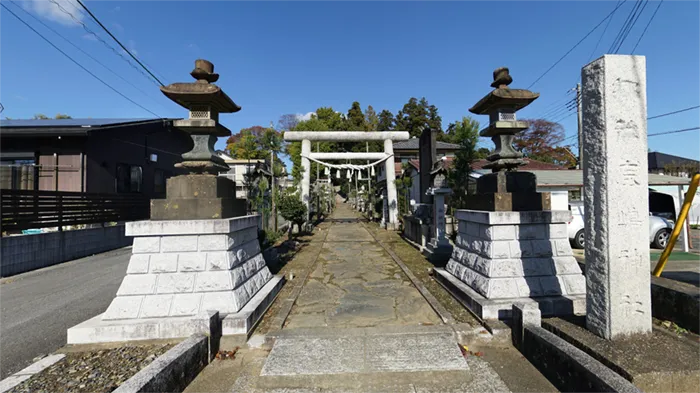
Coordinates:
(30, 252)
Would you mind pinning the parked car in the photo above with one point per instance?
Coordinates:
(659, 228)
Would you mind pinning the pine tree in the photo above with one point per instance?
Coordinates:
(386, 121)
(371, 119)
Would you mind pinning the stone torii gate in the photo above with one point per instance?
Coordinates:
(350, 136)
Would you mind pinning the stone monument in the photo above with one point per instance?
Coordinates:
(428, 155)
(616, 196)
(438, 248)
(198, 254)
(511, 248)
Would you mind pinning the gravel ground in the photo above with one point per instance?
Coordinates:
(93, 371)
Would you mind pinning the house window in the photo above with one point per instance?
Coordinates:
(17, 174)
(159, 181)
(129, 178)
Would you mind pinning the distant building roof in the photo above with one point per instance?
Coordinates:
(478, 165)
(660, 160)
(413, 144)
(531, 165)
(574, 178)
(35, 127)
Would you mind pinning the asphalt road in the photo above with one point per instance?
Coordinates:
(37, 308)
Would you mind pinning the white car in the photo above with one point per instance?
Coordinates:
(659, 228)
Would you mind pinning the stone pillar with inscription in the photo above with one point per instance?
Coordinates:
(616, 196)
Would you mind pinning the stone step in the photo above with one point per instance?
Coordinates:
(364, 359)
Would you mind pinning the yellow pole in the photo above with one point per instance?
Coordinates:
(679, 225)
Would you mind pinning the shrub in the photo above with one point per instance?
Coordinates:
(293, 210)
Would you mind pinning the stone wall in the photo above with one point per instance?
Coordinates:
(30, 252)
(416, 231)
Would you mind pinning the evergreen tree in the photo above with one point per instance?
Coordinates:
(415, 116)
(386, 121)
(355, 118)
(371, 119)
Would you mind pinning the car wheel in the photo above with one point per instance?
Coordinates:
(579, 239)
(661, 238)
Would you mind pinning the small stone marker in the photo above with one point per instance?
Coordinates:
(616, 196)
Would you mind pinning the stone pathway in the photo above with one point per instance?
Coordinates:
(356, 284)
(358, 325)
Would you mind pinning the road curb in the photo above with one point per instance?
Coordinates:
(29, 371)
(172, 371)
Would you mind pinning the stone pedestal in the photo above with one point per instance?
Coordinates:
(509, 191)
(180, 269)
(502, 258)
(616, 196)
(198, 197)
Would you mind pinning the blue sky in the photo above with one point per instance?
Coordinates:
(292, 57)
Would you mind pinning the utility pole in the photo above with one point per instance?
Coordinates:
(369, 185)
(580, 127)
(272, 182)
(318, 197)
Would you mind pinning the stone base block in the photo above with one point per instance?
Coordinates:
(243, 322)
(99, 330)
(511, 201)
(502, 308)
(507, 182)
(437, 253)
(196, 208)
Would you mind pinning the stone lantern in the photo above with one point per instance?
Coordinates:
(200, 194)
(511, 247)
(196, 265)
(506, 189)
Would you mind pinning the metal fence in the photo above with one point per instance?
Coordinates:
(28, 209)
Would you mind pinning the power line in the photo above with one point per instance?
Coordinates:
(673, 113)
(77, 63)
(627, 26)
(574, 47)
(634, 22)
(562, 109)
(603, 34)
(81, 50)
(622, 28)
(554, 104)
(675, 131)
(86, 28)
(117, 41)
(647, 26)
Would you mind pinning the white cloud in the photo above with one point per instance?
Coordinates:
(116, 9)
(21, 98)
(132, 47)
(192, 46)
(304, 117)
(89, 37)
(51, 11)
(118, 27)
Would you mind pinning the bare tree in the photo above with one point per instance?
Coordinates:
(287, 122)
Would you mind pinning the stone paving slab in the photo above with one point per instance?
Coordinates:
(364, 354)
